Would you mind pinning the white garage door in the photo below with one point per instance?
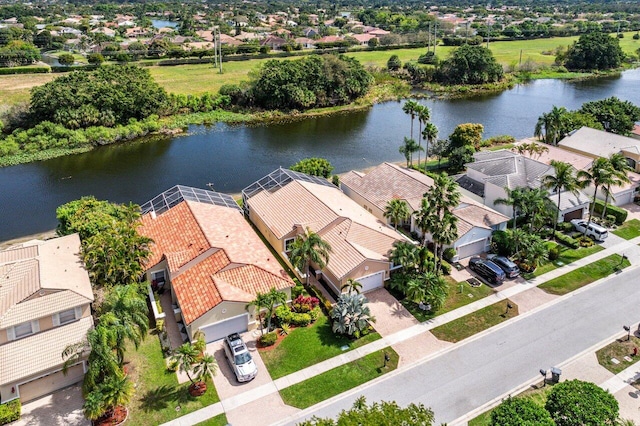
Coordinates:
(471, 249)
(371, 282)
(50, 383)
(221, 329)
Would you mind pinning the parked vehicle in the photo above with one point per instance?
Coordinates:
(509, 268)
(593, 230)
(239, 358)
(487, 270)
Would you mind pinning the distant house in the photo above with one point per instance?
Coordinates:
(306, 43)
(374, 189)
(310, 32)
(283, 204)
(378, 32)
(635, 133)
(45, 297)
(363, 39)
(598, 143)
(206, 35)
(210, 260)
(493, 171)
(104, 30)
(274, 42)
(330, 39)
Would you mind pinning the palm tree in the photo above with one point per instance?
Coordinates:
(204, 368)
(184, 358)
(309, 248)
(397, 210)
(259, 303)
(406, 254)
(537, 207)
(517, 238)
(563, 179)
(515, 199)
(115, 391)
(600, 174)
(553, 125)
(430, 133)
(437, 289)
(620, 169)
(274, 298)
(408, 148)
(131, 313)
(531, 149)
(410, 107)
(424, 115)
(415, 289)
(352, 286)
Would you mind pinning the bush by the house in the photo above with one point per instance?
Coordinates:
(268, 339)
(10, 411)
(585, 241)
(620, 214)
(445, 267)
(554, 253)
(565, 226)
(567, 240)
(449, 253)
(304, 304)
(285, 316)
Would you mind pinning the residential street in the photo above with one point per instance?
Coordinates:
(472, 374)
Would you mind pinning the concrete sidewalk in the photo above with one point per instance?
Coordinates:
(629, 248)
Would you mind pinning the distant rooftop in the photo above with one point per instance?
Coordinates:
(174, 196)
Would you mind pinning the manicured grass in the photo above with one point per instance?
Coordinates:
(219, 420)
(567, 256)
(308, 346)
(537, 394)
(340, 379)
(158, 393)
(585, 275)
(15, 88)
(628, 230)
(455, 299)
(476, 322)
(618, 349)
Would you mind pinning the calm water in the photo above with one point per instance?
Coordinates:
(160, 23)
(233, 157)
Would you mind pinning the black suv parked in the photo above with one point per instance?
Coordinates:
(510, 268)
(487, 270)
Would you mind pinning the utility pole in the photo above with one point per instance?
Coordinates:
(220, 49)
(429, 39)
(435, 38)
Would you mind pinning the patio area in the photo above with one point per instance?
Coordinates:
(174, 334)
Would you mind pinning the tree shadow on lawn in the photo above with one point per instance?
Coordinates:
(161, 397)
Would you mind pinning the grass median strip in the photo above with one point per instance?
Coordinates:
(475, 322)
(585, 275)
(219, 420)
(628, 230)
(340, 379)
(566, 257)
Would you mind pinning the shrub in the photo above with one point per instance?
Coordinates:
(300, 320)
(636, 36)
(303, 304)
(283, 315)
(585, 241)
(449, 253)
(620, 214)
(445, 267)
(566, 240)
(269, 339)
(500, 243)
(298, 290)
(394, 63)
(554, 253)
(314, 314)
(10, 411)
(285, 329)
(565, 226)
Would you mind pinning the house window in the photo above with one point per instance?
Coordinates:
(158, 278)
(288, 243)
(67, 316)
(23, 330)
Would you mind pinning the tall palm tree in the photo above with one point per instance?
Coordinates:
(563, 179)
(424, 115)
(553, 125)
(259, 303)
(437, 289)
(406, 254)
(600, 174)
(307, 248)
(515, 199)
(351, 286)
(408, 148)
(397, 210)
(274, 298)
(537, 207)
(430, 133)
(205, 367)
(184, 358)
(410, 107)
(130, 307)
(620, 169)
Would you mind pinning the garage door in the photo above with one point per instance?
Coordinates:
(371, 282)
(576, 214)
(471, 249)
(221, 329)
(50, 383)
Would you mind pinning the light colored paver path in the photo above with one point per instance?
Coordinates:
(61, 408)
(514, 288)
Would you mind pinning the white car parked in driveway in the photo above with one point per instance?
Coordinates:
(239, 358)
(593, 230)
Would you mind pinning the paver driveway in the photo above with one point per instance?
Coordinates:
(61, 408)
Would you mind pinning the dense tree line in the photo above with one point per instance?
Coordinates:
(593, 51)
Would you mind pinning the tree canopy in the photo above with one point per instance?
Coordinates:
(595, 50)
(469, 65)
(520, 412)
(313, 166)
(311, 82)
(577, 403)
(108, 96)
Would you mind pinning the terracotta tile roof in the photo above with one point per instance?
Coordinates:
(39, 352)
(353, 233)
(52, 265)
(203, 245)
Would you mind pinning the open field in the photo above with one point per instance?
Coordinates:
(197, 79)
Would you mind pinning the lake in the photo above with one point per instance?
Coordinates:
(160, 23)
(232, 157)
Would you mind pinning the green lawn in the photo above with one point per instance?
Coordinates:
(475, 322)
(339, 379)
(455, 299)
(567, 256)
(219, 420)
(618, 349)
(307, 346)
(537, 394)
(628, 230)
(158, 394)
(585, 275)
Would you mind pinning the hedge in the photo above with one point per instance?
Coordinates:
(25, 70)
(10, 411)
(617, 212)
(74, 68)
(567, 240)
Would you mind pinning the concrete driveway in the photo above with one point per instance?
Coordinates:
(61, 408)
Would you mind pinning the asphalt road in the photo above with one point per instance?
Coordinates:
(481, 370)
